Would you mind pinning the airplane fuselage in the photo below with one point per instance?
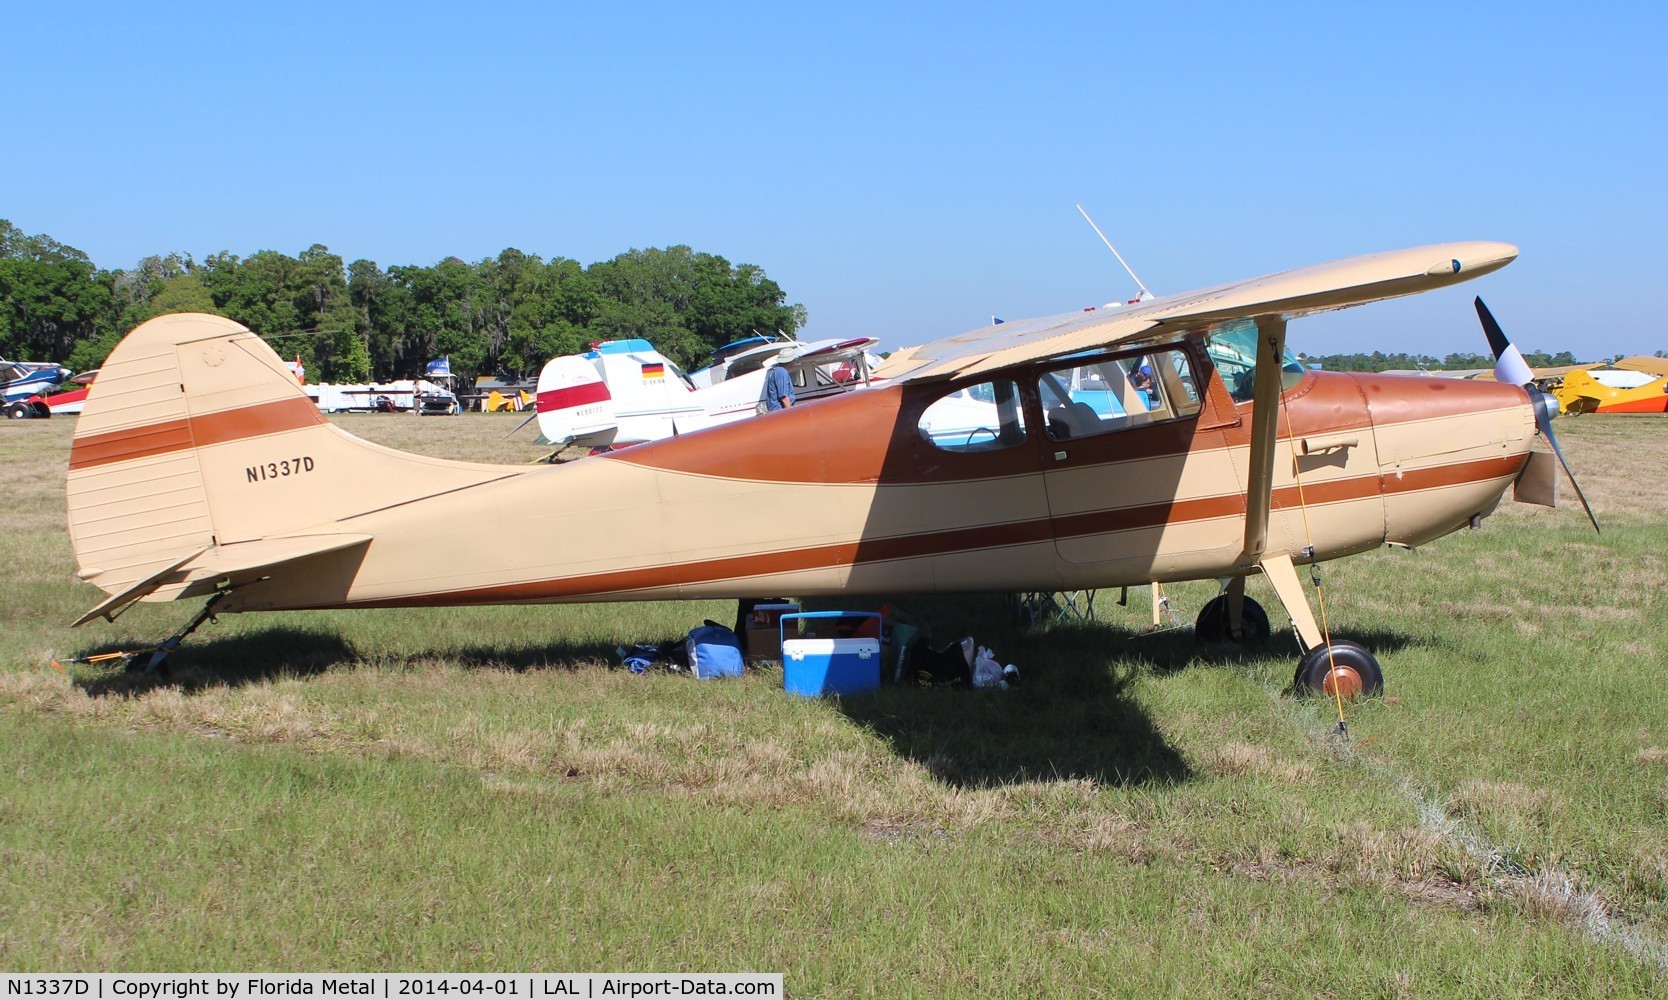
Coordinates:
(849, 496)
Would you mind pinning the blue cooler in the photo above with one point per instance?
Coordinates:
(830, 652)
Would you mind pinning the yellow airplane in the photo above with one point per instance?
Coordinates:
(1582, 392)
(515, 403)
(1163, 440)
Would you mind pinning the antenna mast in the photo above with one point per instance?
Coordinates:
(1145, 294)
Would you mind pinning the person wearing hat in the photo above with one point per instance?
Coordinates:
(778, 386)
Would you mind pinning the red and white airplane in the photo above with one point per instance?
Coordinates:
(624, 392)
(1166, 440)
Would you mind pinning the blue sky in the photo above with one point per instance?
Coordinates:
(904, 171)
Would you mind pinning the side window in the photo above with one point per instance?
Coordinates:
(1113, 394)
(983, 417)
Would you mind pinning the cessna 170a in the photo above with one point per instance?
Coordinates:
(1164, 440)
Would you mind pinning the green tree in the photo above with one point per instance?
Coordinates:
(51, 296)
(508, 313)
(551, 314)
(688, 303)
(382, 303)
(442, 320)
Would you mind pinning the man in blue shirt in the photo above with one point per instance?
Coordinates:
(778, 387)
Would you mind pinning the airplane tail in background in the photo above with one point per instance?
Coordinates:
(574, 404)
(199, 461)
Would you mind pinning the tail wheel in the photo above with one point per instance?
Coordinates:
(1342, 669)
(1212, 624)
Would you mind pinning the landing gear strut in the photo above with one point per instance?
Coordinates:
(1340, 668)
(153, 660)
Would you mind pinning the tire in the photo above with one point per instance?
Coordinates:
(1212, 623)
(19, 411)
(1349, 662)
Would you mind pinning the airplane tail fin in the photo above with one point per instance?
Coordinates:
(574, 404)
(200, 461)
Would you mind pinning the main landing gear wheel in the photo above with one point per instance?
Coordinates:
(1212, 624)
(1343, 668)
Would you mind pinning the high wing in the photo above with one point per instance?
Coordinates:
(1638, 363)
(826, 352)
(1318, 288)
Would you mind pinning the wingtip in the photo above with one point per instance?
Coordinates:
(1481, 258)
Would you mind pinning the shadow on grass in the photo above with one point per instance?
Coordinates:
(1081, 727)
(231, 661)
(548, 656)
(1170, 651)
(268, 654)
(1074, 716)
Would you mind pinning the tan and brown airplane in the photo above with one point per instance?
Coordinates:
(1164, 440)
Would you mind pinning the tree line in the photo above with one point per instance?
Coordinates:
(504, 315)
(1378, 361)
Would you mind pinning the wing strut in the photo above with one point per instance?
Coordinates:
(1259, 487)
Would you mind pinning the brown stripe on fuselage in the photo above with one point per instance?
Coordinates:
(177, 435)
(872, 435)
(938, 543)
(735, 567)
(1438, 477)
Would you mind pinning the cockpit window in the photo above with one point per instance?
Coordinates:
(982, 417)
(1233, 349)
(1111, 394)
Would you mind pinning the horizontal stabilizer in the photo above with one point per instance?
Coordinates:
(150, 578)
(245, 560)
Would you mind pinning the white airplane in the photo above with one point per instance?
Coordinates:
(625, 392)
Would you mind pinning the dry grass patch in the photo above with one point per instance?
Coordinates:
(1500, 800)
(1554, 896)
(1270, 866)
(1446, 893)
(1236, 759)
(1122, 837)
(1410, 862)
(1401, 856)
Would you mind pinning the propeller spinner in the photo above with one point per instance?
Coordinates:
(1510, 367)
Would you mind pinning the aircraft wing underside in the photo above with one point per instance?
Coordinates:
(1319, 288)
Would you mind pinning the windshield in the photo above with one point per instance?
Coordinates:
(1233, 349)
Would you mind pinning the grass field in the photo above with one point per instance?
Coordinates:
(479, 789)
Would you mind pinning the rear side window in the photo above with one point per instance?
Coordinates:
(1113, 394)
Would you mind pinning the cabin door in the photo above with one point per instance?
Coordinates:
(1139, 488)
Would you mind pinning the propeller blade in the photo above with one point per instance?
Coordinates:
(1510, 367)
(1544, 422)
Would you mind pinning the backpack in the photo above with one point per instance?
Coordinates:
(714, 651)
(952, 665)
